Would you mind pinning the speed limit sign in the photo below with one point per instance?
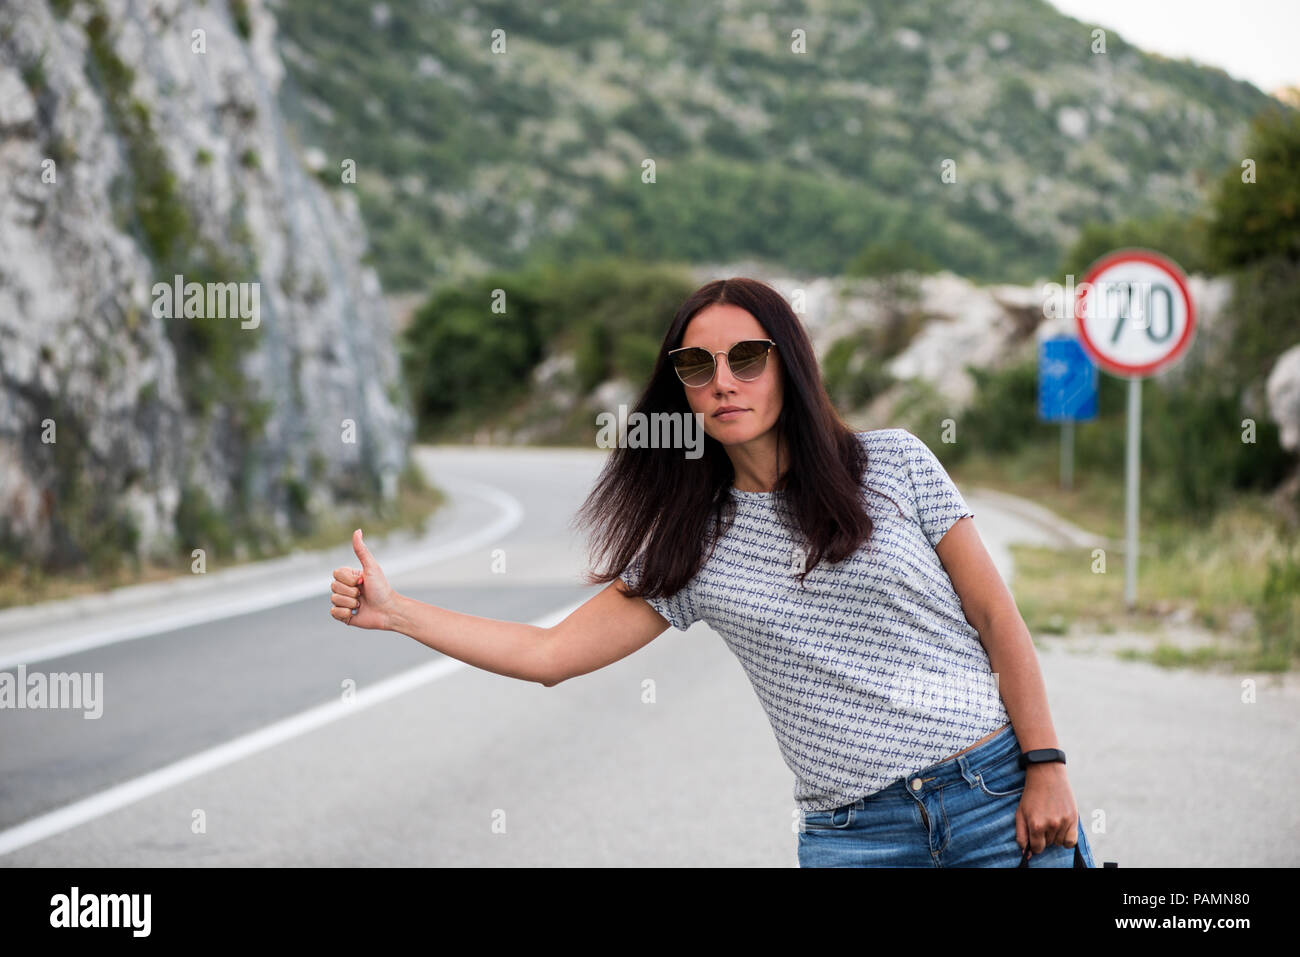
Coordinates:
(1134, 314)
(1134, 317)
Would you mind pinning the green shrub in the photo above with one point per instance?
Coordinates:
(1192, 455)
(1277, 610)
(1256, 222)
(592, 359)
(1003, 416)
(922, 410)
(888, 258)
(200, 525)
(243, 22)
(1181, 238)
(464, 361)
(853, 373)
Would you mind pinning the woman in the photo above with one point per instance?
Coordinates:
(844, 571)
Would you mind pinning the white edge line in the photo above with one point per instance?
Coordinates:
(511, 514)
(146, 785)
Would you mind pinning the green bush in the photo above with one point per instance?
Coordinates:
(1003, 416)
(463, 360)
(1277, 610)
(1181, 238)
(1259, 221)
(463, 355)
(1192, 455)
(853, 373)
(243, 21)
(1264, 313)
(923, 410)
(1255, 235)
(200, 525)
(592, 359)
(888, 258)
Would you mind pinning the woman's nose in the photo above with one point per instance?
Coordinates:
(722, 374)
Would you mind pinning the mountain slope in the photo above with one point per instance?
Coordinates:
(468, 157)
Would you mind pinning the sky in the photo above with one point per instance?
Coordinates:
(1255, 40)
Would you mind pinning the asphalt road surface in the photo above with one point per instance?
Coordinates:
(235, 740)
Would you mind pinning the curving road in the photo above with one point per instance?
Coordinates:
(229, 734)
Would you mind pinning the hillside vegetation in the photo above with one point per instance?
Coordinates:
(468, 159)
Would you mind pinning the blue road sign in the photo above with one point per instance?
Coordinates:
(1067, 381)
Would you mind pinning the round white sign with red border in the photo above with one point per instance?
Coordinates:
(1134, 313)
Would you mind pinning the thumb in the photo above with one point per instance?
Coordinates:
(368, 562)
(1022, 830)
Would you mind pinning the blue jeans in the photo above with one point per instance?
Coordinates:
(958, 813)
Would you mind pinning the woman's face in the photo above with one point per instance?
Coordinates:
(716, 329)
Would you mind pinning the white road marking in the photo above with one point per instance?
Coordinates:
(118, 796)
(512, 513)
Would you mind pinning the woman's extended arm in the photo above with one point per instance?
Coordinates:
(511, 648)
(602, 630)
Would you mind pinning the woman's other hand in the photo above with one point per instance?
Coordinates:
(362, 597)
(1047, 813)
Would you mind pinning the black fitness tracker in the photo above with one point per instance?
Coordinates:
(1041, 756)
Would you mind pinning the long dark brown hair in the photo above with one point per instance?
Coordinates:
(677, 508)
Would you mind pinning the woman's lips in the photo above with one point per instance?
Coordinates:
(728, 416)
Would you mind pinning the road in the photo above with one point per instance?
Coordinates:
(232, 740)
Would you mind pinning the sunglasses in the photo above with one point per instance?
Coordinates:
(746, 360)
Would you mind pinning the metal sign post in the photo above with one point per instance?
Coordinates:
(1067, 454)
(1135, 317)
(1132, 453)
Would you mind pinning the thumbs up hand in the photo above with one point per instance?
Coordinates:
(362, 596)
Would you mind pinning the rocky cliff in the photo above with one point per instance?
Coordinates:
(192, 353)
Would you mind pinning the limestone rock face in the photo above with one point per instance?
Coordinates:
(1283, 390)
(140, 142)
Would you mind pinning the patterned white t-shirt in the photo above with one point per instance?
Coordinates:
(871, 672)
